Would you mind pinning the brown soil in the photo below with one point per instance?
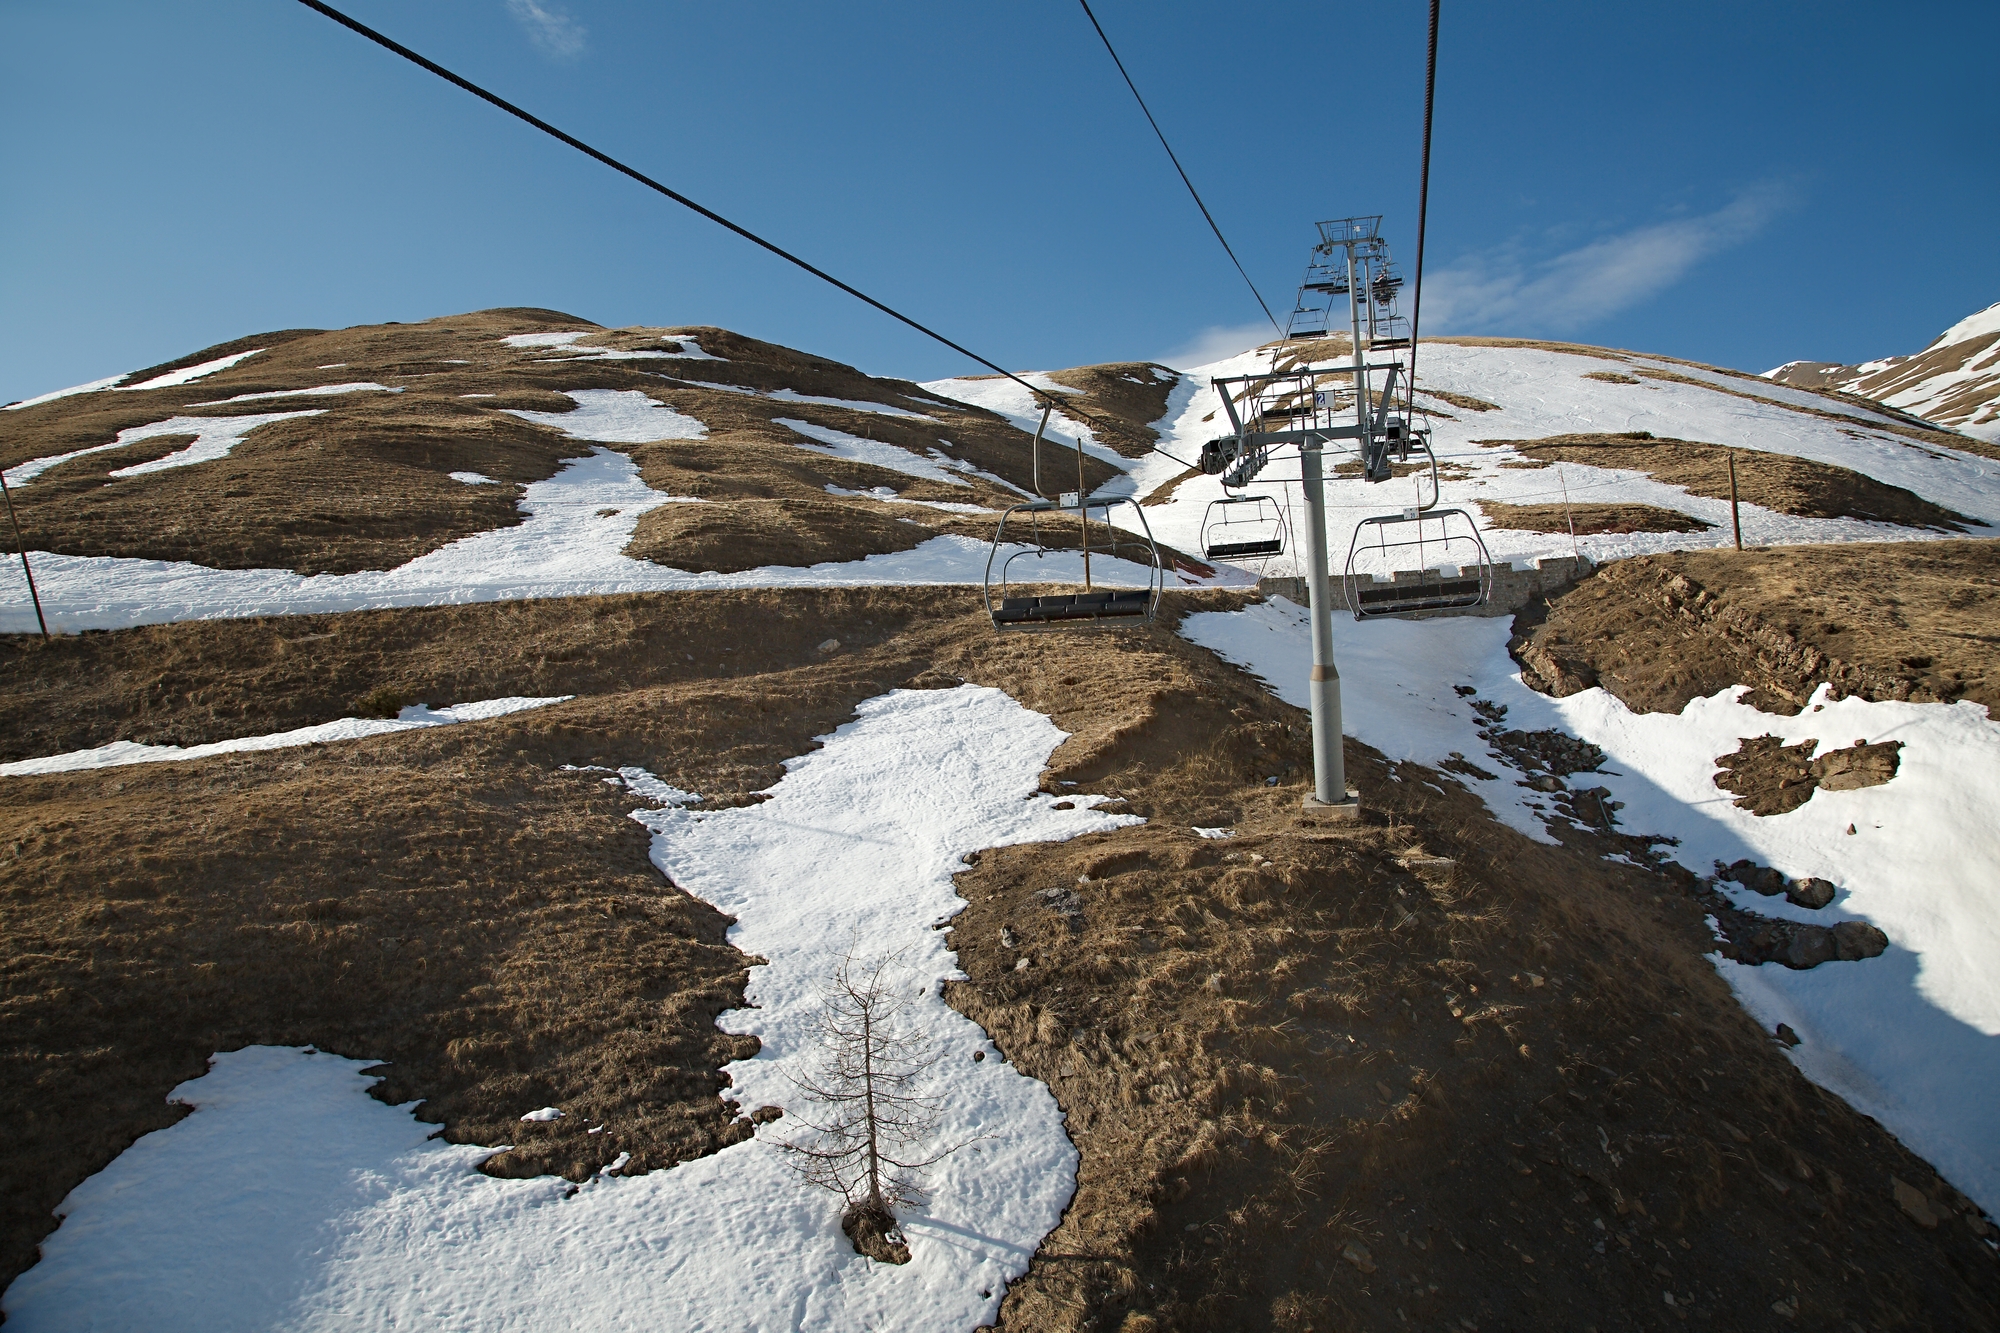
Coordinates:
(747, 534)
(1317, 1075)
(1770, 777)
(1903, 620)
(1588, 519)
(1776, 481)
(1609, 377)
(1121, 401)
(364, 484)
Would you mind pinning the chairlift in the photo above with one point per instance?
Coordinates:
(1438, 538)
(1010, 604)
(1239, 527)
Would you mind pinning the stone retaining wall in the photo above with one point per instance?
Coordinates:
(1513, 586)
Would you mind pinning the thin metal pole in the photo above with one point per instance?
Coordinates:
(1323, 688)
(1360, 366)
(1735, 515)
(1568, 517)
(22, 546)
(1083, 513)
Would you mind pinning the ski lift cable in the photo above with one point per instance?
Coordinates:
(398, 48)
(1182, 170)
(1423, 191)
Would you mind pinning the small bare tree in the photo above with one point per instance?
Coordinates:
(873, 1128)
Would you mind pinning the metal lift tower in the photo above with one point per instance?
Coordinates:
(1307, 406)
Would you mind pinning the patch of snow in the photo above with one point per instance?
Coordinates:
(616, 416)
(794, 396)
(189, 374)
(566, 547)
(1972, 326)
(543, 1116)
(1215, 832)
(1541, 393)
(686, 348)
(414, 718)
(214, 437)
(73, 390)
(290, 1198)
(1907, 1037)
(887, 496)
(472, 478)
(324, 390)
(839, 444)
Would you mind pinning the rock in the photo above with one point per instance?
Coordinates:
(1006, 938)
(1860, 766)
(1912, 1201)
(832, 646)
(1854, 940)
(1547, 782)
(1809, 947)
(764, 1115)
(1021, 964)
(1786, 1035)
(1357, 1254)
(1811, 892)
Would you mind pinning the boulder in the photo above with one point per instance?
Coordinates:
(1811, 892)
(1809, 947)
(1855, 940)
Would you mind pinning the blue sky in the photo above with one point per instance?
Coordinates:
(1740, 184)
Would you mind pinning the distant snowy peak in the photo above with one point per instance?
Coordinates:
(1954, 382)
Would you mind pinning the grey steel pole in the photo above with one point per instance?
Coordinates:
(1323, 690)
(1360, 364)
(21, 543)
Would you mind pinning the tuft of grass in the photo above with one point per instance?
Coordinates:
(384, 701)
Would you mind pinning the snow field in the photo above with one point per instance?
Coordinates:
(839, 444)
(617, 416)
(416, 717)
(288, 1198)
(1541, 393)
(1909, 1037)
(685, 348)
(319, 391)
(214, 437)
(794, 396)
(568, 546)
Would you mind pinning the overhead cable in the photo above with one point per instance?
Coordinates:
(392, 45)
(1423, 191)
(1177, 165)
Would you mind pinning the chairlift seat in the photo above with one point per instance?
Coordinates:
(1230, 550)
(1439, 596)
(1073, 606)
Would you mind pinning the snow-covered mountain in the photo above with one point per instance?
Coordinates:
(1955, 381)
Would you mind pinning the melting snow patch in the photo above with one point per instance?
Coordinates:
(685, 348)
(617, 416)
(91, 387)
(794, 396)
(839, 444)
(320, 391)
(290, 1198)
(214, 437)
(415, 717)
(472, 478)
(543, 1116)
(1215, 832)
(1908, 1037)
(191, 373)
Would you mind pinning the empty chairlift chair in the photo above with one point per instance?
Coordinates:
(1243, 527)
(1431, 539)
(1061, 602)
(1025, 596)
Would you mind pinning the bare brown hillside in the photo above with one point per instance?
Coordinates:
(1420, 1071)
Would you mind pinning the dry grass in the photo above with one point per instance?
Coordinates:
(1880, 620)
(1776, 481)
(1588, 519)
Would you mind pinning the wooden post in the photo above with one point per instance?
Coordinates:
(22, 546)
(1735, 515)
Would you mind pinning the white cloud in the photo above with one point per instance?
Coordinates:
(1508, 290)
(1216, 342)
(550, 28)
